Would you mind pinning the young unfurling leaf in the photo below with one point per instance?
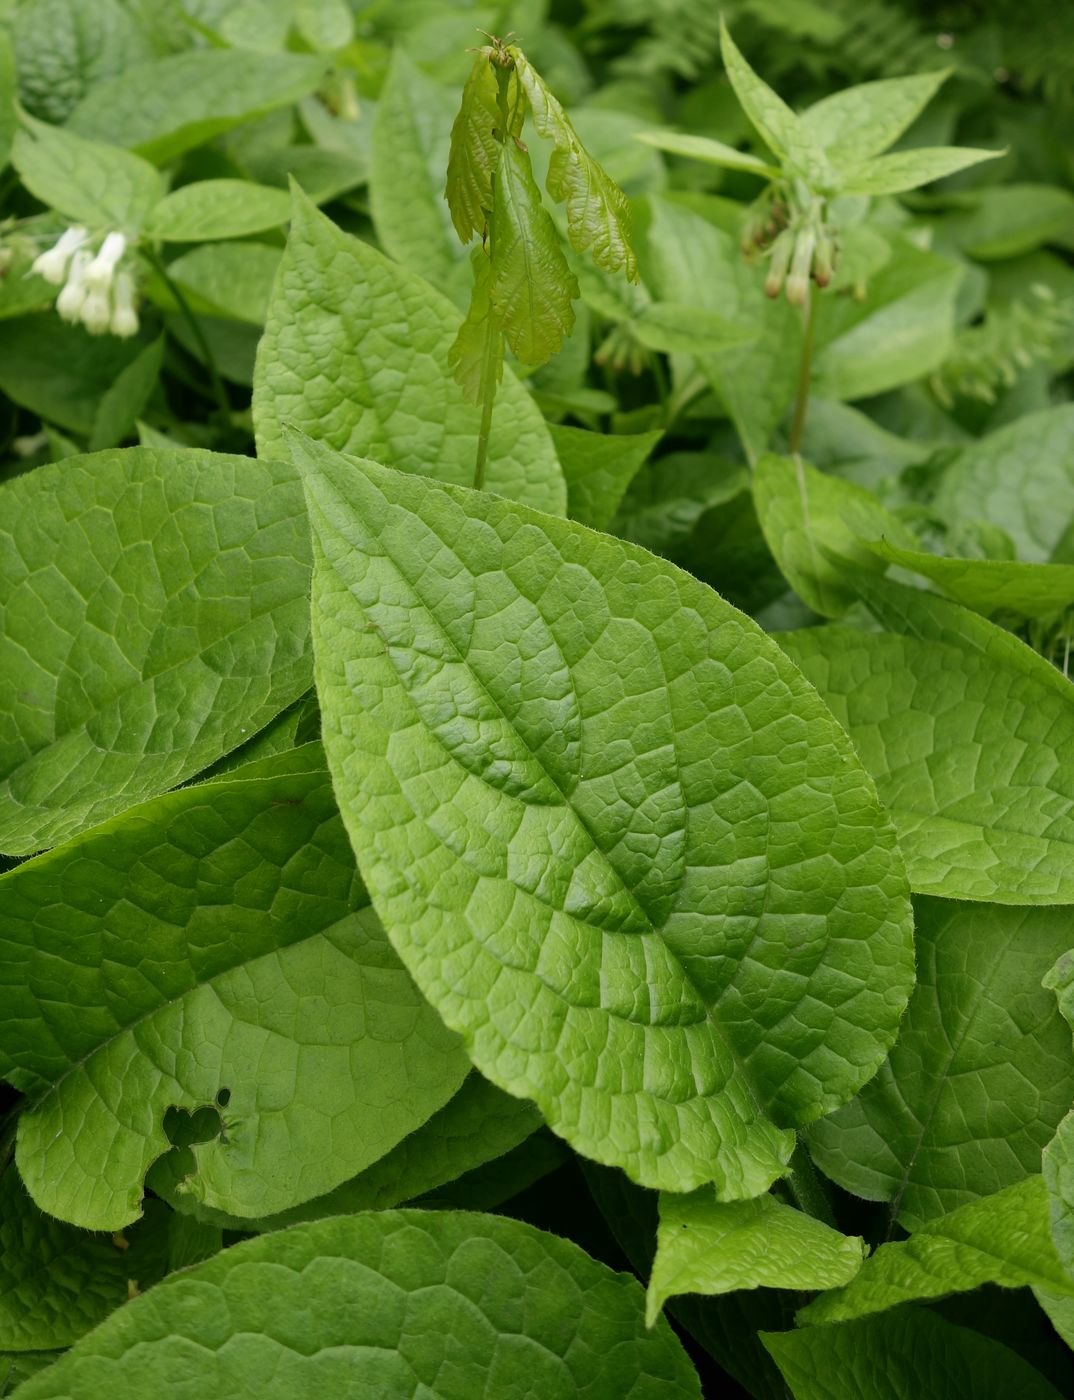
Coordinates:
(475, 148)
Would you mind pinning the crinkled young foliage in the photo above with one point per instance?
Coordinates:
(655, 947)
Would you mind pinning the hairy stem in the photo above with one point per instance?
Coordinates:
(806, 1187)
(805, 371)
(219, 392)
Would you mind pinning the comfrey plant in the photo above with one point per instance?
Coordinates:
(96, 291)
(836, 148)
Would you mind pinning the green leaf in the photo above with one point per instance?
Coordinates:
(86, 181)
(990, 585)
(324, 24)
(1010, 220)
(598, 216)
(410, 151)
(818, 528)
(66, 47)
(1058, 1156)
(16, 1367)
(679, 143)
(126, 396)
(599, 468)
(56, 1282)
(385, 1304)
(480, 335)
(474, 149)
(212, 949)
(1002, 1238)
(970, 737)
(906, 1355)
(591, 947)
(354, 352)
(677, 327)
(211, 209)
(785, 134)
(980, 1076)
(531, 286)
(230, 280)
(667, 498)
(906, 170)
(709, 1246)
(858, 123)
(154, 614)
(62, 372)
(1021, 478)
(164, 108)
(478, 1124)
(8, 121)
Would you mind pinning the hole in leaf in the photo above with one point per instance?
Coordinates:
(185, 1128)
(223, 1098)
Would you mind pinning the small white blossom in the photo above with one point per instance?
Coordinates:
(96, 313)
(101, 269)
(52, 264)
(69, 302)
(124, 316)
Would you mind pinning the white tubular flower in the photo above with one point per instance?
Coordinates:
(96, 311)
(52, 264)
(69, 302)
(124, 316)
(100, 271)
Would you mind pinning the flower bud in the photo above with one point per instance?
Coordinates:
(69, 302)
(52, 264)
(801, 266)
(96, 313)
(823, 260)
(124, 316)
(101, 269)
(781, 257)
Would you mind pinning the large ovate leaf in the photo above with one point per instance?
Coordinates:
(87, 181)
(354, 352)
(210, 209)
(708, 1246)
(910, 1354)
(211, 948)
(598, 216)
(619, 843)
(57, 1282)
(1021, 478)
(531, 287)
(980, 1076)
(388, 1304)
(163, 108)
(1003, 1239)
(475, 149)
(970, 737)
(815, 526)
(153, 616)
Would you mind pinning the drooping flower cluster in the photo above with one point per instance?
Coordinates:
(96, 291)
(791, 227)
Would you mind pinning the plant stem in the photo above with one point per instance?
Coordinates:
(219, 392)
(805, 370)
(806, 1187)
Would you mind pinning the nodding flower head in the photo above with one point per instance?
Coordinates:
(96, 313)
(52, 264)
(69, 302)
(101, 270)
(124, 316)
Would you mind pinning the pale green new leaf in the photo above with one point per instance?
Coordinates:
(57, 1282)
(211, 209)
(708, 1246)
(598, 216)
(599, 467)
(531, 287)
(475, 151)
(212, 948)
(970, 737)
(678, 327)
(676, 958)
(164, 108)
(354, 352)
(980, 1077)
(409, 151)
(906, 170)
(817, 527)
(989, 585)
(386, 1304)
(911, 1354)
(152, 615)
(476, 353)
(86, 181)
(858, 123)
(785, 133)
(704, 148)
(1002, 1239)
